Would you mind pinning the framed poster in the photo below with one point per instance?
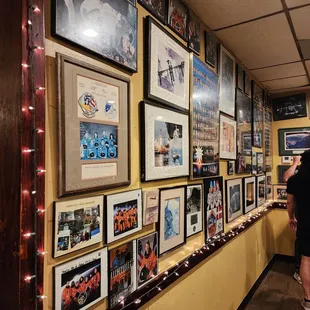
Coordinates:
(279, 193)
(247, 83)
(150, 206)
(164, 142)
(81, 282)
(210, 49)
(240, 77)
(269, 193)
(204, 121)
(172, 219)
(260, 162)
(233, 196)
(106, 29)
(194, 33)
(293, 141)
(249, 194)
(257, 106)
(177, 17)
(147, 259)
(156, 8)
(227, 82)
(93, 128)
(124, 214)
(193, 209)
(122, 272)
(213, 207)
(288, 107)
(261, 190)
(230, 167)
(167, 67)
(268, 140)
(281, 170)
(77, 224)
(228, 140)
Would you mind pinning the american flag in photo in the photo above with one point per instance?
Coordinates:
(90, 100)
(219, 213)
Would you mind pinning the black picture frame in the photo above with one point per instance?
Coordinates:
(289, 107)
(210, 50)
(257, 115)
(240, 77)
(252, 206)
(281, 170)
(228, 200)
(260, 162)
(247, 83)
(156, 9)
(231, 167)
(133, 2)
(62, 29)
(194, 33)
(260, 178)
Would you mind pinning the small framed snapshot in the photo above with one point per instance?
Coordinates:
(93, 128)
(227, 82)
(150, 206)
(247, 83)
(254, 163)
(122, 272)
(213, 207)
(249, 194)
(228, 138)
(210, 49)
(194, 33)
(234, 194)
(281, 171)
(77, 224)
(167, 67)
(177, 17)
(107, 29)
(279, 193)
(260, 162)
(293, 141)
(288, 107)
(193, 209)
(172, 219)
(124, 214)
(230, 167)
(287, 159)
(164, 142)
(156, 8)
(261, 190)
(81, 282)
(269, 193)
(147, 259)
(240, 77)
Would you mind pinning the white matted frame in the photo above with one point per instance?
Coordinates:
(228, 138)
(150, 206)
(260, 190)
(279, 193)
(249, 194)
(234, 194)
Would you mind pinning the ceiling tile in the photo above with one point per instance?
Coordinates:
(294, 3)
(261, 43)
(287, 83)
(278, 72)
(305, 48)
(219, 13)
(300, 18)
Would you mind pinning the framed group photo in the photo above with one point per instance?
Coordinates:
(249, 194)
(228, 137)
(234, 196)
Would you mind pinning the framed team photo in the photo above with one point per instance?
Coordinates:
(228, 137)
(150, 206)
(261, 190)
(172, 219)
(210, 49)
(81, 282)
(77, 224)
(234, 194)
(122, 272)
(177, 17)
(213, 207)
(249, 194)
(156, 7)
(147, 259)
(124, 214)
(194, 33)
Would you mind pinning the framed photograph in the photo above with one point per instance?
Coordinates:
(246, 143)
(157, 8)
(108, 29)
(213, 207)
(249, 194)
(210, 49)
(287, 159)
(81, 282)
(293, 141)
(122, 272)
(147, 259)
(279, 193)
(167, 67)
(172, 219)
(193, 209)
(93, 128)
(258, 108)
(230, 167)
(269, 193)
(227, 82)
(204, 121)
(150, 206)
(77, 224)
(194, 33)
(261, 190)
(281, 170)
(228, 139)
(177, 17)
(234, 196)
(268, 140)
(260, 162)
(240, 77)
(254, 163)
(247, 83)
(124, 214)
(293, 106)
(164, 142)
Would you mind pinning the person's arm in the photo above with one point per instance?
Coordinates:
(291, 211)
(291, 170)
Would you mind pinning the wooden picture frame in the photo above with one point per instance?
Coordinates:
(228, 138)
(234, 197)
(249, 194)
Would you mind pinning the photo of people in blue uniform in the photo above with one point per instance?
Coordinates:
(98, 141)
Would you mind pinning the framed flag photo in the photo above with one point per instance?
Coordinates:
(234, 194)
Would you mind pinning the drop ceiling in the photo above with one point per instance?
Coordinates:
(270, 37)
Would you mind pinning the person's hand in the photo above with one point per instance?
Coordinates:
(296, 160)
(293, 224)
